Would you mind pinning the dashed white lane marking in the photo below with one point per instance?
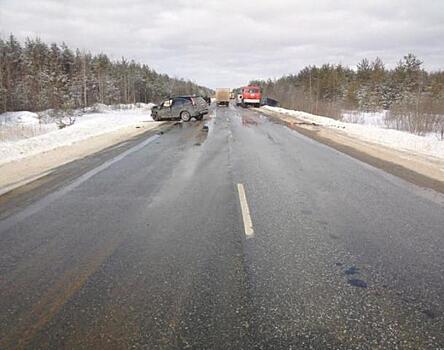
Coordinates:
(248, 225)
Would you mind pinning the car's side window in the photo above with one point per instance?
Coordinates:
(179, 102)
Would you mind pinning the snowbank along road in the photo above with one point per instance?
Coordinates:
(246, 235)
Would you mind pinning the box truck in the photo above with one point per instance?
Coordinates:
(223, 97)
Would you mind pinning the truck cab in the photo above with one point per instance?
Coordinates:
(251, 95)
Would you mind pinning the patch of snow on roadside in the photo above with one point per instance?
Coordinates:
(428, 146)
(366, 118)
(22, 118)
(86, 126)
(102, 108)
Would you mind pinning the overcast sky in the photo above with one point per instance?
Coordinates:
(227, 43)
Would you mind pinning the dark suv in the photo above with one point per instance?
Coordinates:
(181, 107)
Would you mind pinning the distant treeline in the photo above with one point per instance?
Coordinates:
(35, 76)
(414, 96)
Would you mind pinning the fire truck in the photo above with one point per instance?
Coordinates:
(251, 96)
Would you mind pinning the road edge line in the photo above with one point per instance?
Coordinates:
(5, 189)
(35, 207)
(393, 168)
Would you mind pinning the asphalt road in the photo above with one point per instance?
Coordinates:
(144, 246)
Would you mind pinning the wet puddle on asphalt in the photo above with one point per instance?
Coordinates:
(306, 212)
(198, 130)
(248, 120)
(357, 283)
(352, 270)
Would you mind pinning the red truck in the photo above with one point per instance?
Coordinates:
(251, 95)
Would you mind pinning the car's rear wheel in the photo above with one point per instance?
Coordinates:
(185, 116)
(156, 117)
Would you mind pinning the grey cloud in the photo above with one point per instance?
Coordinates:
(227, 43)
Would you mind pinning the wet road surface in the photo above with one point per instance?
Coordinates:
(147, 249)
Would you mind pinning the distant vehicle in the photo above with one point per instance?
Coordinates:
(231, 95)
(238, 99)
(223, 97)
(181, 107)
(267, 101)
(251, 96)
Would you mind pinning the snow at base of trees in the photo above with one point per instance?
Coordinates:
(25, 124)
(24, 134)
(428, 145)
(414, 97)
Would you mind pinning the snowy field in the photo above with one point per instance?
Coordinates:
(372, 129)
(23, 134)
(366, 118)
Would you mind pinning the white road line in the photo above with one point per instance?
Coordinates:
(45, 201)
(248, 225)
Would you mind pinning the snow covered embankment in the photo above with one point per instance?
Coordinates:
(47, 136)
(429, 146)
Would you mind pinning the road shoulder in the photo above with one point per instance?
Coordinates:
(21, 172)
(421, 171)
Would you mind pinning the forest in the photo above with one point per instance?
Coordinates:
(35, 76)
(413, 96)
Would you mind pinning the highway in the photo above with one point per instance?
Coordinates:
(231, 233)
